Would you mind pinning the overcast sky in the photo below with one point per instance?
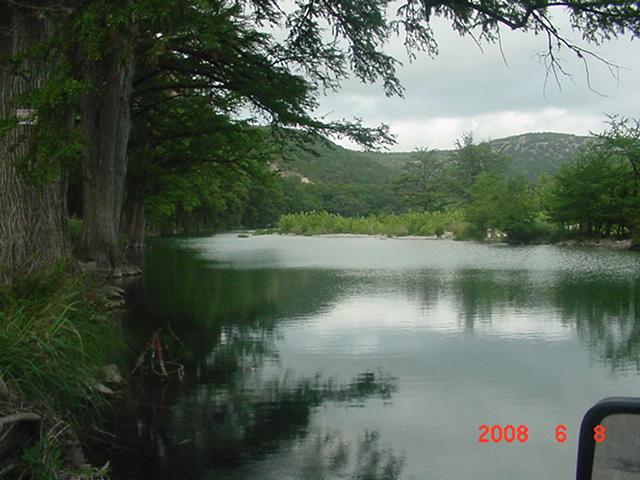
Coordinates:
(464, 90)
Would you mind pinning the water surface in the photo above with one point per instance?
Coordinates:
(367, 358)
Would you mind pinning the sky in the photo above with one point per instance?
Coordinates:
(465, 89)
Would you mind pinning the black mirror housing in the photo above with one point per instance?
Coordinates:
(591, 440)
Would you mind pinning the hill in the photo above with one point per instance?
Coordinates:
(536, 153)
(333, 164)
(532, 154)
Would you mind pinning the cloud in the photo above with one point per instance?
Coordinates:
(442, 132)
(464, 89)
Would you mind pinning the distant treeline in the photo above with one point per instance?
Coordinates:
(469, 193)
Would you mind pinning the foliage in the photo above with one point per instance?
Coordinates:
(410, 223)
(322, 161)
(463, 230)
(593, 195)
(530, 154)
(195, 168)
(53, 142)
(504, 203)
(468, 162)
(55, 338)
(221, 50)
(206, 197)
(44, 461)
(623, 139)
(420, 185)
(597, 195)
(264, 202)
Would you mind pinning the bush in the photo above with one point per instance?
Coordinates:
(537, 231)
(466, 231)
(410, 223)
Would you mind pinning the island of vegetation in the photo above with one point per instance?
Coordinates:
(125, 118)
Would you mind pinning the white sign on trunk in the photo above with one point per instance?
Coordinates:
(26, 116)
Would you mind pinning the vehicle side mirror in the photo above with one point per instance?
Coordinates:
(609, 445)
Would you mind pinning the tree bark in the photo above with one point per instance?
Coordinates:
(33, 223)
(106, 123)
(133, 222)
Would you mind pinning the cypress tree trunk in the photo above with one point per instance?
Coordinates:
(33, 224)
(106, 124)
(133, 222)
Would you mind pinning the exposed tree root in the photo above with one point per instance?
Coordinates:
(19, 417)
(153, 360)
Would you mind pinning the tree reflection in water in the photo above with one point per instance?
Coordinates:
(603, 309)
(235, 414)
(601, 305)
(329, 456)
(207, 428)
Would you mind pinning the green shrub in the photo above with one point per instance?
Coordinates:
(43, 460)
(55, 338)
(537, 231)
(410, 223)
(466, 231)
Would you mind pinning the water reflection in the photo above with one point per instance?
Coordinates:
(189, 292)
(602, 309)
(330, 456)
(433, 339)
(209, 428)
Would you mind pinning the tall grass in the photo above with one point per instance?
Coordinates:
(410, 223)
(55, 338)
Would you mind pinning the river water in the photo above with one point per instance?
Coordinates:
(368, 358)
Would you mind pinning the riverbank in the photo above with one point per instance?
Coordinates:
(605, 243)
(381, 237)
(609, 243)
(432, 225)
(56, 337)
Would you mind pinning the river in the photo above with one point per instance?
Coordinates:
(369, 358)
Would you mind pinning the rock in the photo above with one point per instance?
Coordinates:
(123, 270)
(112, 375)
(101, 388)
(130, 270)
(114, 305)
(113, 292)
(113, 297)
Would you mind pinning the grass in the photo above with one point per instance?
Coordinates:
(410, 223)
(55, 338)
